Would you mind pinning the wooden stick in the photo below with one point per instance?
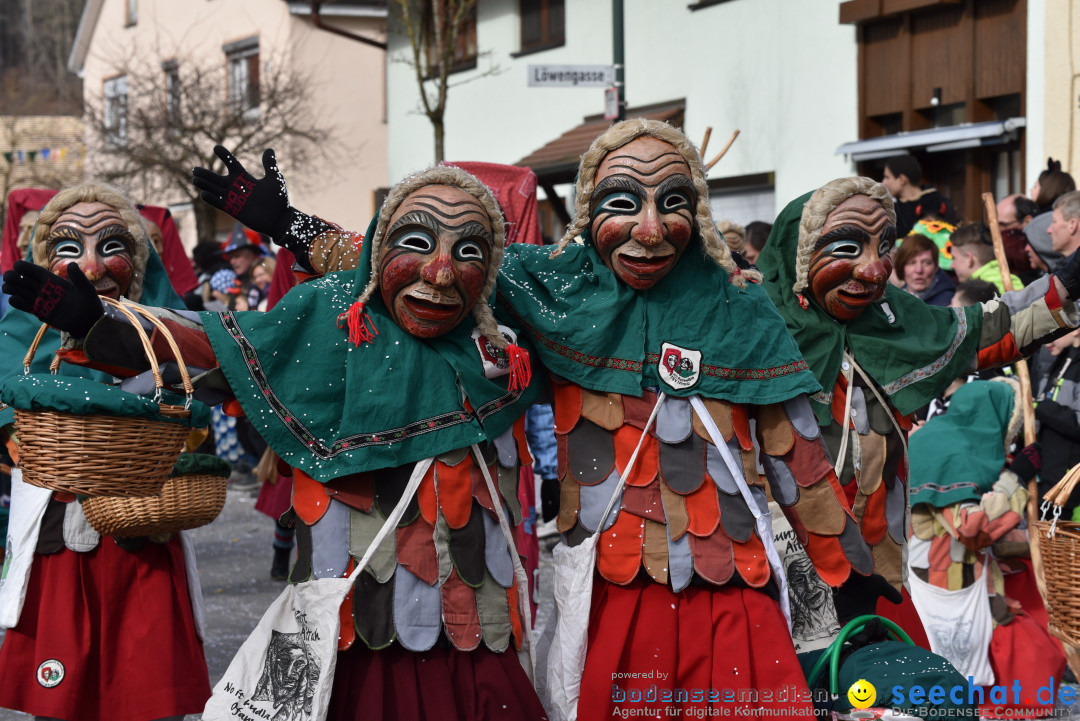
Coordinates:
(1072, 655)
(705, 142)
(714, 161)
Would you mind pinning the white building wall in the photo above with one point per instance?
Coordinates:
(785, 78)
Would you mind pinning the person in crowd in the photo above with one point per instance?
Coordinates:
(734, 235)
(757, 233)
(206, 259)
(880, 354)
(262, 273)
(1064, 228)
(1016, 211)
(967, 506)
(974, 259)
(1051, 185)
(917, 267)
(242, 250)
(973, 292)
(914, 201)
(99, 629)
(1057, 409)
(435, 619)
(226, 292)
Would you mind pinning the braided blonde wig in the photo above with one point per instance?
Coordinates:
(816, 211)
(96, 193)
(455, 178)
(619, 135)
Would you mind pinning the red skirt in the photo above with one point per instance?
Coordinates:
(107, 635)
(442, 684)
(703, 648)
(1025, 652)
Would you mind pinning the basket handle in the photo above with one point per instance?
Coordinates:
(1061, 491)
(185, 376)
(148, 350)
(29, 358)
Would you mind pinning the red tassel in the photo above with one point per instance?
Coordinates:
(520, 368)
(802, 301)
(361, 329)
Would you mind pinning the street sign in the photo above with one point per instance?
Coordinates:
(611, 103)
(567, 76)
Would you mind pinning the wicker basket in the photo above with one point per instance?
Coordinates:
(187, 501)
(103, 455)
(1059, 543)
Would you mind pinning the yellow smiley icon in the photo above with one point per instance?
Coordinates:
(862, 694)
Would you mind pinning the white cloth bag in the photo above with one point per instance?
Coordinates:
(285, 668)
(565, 639)
(959, 624)
(28, 505)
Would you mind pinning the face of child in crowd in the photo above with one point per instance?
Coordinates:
(260, 276)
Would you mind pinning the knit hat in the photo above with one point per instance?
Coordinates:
(224, 281)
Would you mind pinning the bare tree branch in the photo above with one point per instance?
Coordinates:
(162, 143)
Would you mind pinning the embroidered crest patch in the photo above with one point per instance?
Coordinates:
(50, 673)
(496, 364)
(679, 367)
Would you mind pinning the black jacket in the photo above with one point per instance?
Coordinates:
(1058, 413)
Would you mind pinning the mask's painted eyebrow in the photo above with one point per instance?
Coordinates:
(844, 232)
(473, 229)
(616, 182)
(470, 206)
(673, 155)
(416, 217)
(676, 182)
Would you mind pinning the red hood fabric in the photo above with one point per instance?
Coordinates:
(284, 278)
(19, 203)
(515, 190)
(24, 200)
(174, 257)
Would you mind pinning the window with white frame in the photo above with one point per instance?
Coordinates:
(243, 64)
(172, 91)
(115, 93)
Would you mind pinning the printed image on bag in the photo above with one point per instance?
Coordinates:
(284, 671)
(813, 615)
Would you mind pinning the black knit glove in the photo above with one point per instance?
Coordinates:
(1069, 274)
(549, 498)
(1027, 462)
(68, 305)
(262, 205)
(859, 594)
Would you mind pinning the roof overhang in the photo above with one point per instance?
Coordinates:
(935, 140)
(557, 161)
(80, 47)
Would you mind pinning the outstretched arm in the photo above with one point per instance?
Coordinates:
(261, 204)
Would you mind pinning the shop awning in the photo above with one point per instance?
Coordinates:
(954, 137)
(557, 161)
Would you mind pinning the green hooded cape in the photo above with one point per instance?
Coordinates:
(595, 330)
(958, 455)
(331, 408)
(17, 330)
(912, 350)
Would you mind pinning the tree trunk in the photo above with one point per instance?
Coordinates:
(438, 123)
(205, 221)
